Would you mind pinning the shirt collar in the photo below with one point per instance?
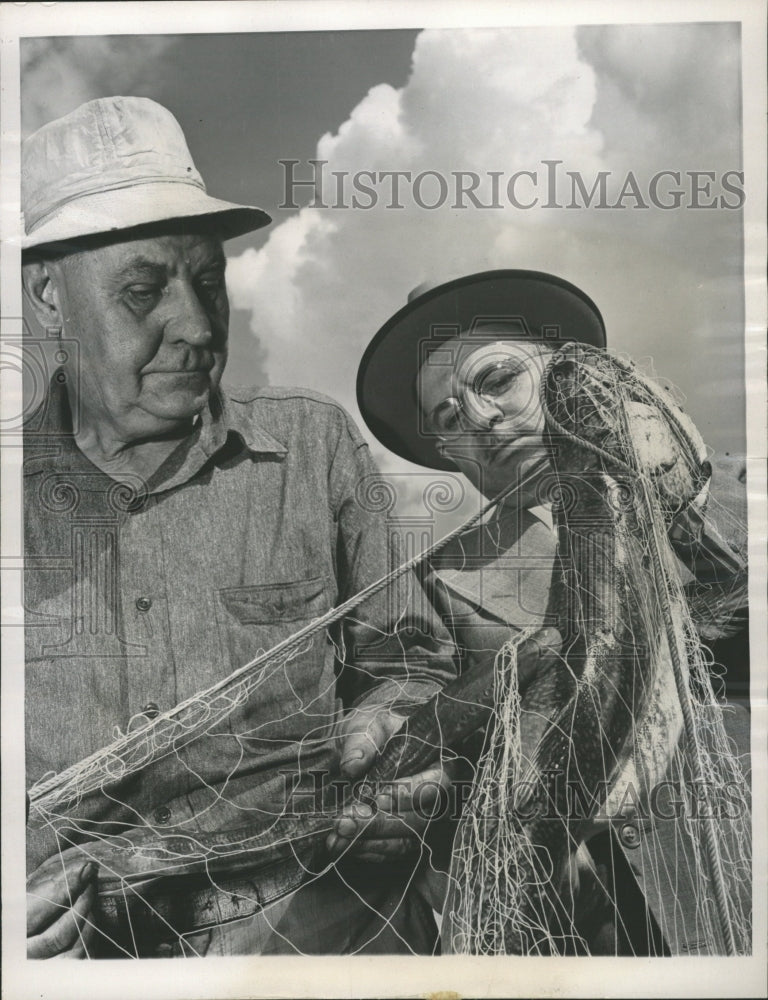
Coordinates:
(543, 513)
(240, 420)
(539, 512)
(212, 429)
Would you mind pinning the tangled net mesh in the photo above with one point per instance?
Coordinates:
(506, 893)
(500, 899)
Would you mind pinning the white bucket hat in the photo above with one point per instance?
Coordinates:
(112, 164)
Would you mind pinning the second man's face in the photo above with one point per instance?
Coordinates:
(482, 402)
(151, 318)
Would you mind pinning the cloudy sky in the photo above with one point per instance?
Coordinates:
(311, 291)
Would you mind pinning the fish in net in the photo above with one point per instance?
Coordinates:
(604, 721)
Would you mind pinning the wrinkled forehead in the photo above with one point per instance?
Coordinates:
(456, 363)
(167, 247)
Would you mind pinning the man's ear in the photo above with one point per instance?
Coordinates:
(41, 293)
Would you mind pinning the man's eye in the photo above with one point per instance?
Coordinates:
(448, 419)
(211, 285)
(144, 295)
(496, 381)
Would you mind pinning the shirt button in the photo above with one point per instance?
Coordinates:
(630, 835)
(162, 815)
(143, 603)
(151, 709)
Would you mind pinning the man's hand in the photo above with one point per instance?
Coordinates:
(60, 897)
(403, 809)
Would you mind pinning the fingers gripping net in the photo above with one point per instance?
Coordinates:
(515, 882)
(187, 721)
(150, 875)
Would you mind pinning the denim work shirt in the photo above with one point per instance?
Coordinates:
(137, 596)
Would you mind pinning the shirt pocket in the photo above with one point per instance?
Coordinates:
(295, 697)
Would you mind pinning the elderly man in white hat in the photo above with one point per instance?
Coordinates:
(172, 531)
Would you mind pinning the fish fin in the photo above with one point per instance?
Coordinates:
(550, 753)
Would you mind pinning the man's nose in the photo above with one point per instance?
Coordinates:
(189, 321)
(482, 413)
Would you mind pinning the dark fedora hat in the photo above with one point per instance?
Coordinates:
(525, 305)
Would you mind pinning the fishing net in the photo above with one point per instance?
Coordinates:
(629, 705)
(167, 883)
(630, 711)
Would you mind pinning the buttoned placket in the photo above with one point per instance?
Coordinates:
(150, 676)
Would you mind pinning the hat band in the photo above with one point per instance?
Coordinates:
(38, 220)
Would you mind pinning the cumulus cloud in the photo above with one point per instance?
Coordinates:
(639, 98)
(606, 98)
(668, 89)
(613, 98)
(58, 74)
(476, 100)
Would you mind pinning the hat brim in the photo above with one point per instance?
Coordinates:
(139, 205)
(543, 306)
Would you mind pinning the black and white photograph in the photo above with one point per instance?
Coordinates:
(384, 499)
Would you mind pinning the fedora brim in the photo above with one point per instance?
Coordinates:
(139, 205)
(542, 306)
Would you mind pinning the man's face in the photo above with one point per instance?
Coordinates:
(484, 408)
(151, 317)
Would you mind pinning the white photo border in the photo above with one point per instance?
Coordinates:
(364, 976)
